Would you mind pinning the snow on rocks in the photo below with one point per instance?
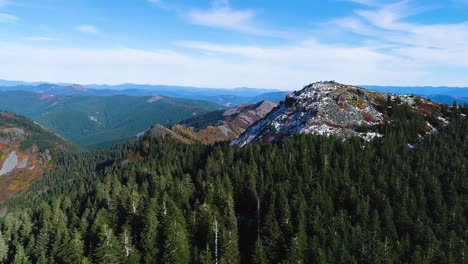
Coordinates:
(153, 99)
(324, 108)
(94, 119)
(330, 108)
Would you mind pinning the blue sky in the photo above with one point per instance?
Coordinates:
(222, 43)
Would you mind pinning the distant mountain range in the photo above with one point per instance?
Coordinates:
(445, 95)
(221, 96)
(225, 97)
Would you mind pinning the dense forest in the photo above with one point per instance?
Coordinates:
(310, 199)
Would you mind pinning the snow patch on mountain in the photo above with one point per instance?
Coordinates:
(154, 99)
(94, 119)
(330, 108)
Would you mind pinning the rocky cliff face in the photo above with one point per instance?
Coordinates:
(215, 127)
(26, 151)
(330, 108)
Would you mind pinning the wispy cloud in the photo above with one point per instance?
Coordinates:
(389, 16)
(40, 38)
(363, 2)
(165, 5)
(8, 18)
(390, 49)
(88, 29)
(390, 45)
(159, 3)
(4, 3)
(224, 18)
(425, 45)
(288, 66)
(222, 15)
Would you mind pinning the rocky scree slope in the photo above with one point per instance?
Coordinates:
(27, 150)
(215, 126)
(330, 108)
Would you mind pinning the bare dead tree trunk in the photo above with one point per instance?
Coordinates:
(216, 240)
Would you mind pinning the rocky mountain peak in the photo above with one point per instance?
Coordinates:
(327, 108)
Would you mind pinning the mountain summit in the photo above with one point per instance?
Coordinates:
(331, 108)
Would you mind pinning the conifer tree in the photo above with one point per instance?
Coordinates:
(176, 245)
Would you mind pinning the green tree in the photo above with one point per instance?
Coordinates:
(109, 250)
(20, 256)
(176, 245)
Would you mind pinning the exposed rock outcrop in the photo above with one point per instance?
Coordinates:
(330, 108)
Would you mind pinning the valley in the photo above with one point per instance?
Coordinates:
(97, 122)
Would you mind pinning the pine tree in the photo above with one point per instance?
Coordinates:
(150, 232)
(176, 244)
(3, 248)
(73, 251)
(260, 256)
(41, 249)
(20, 256)
(130, 254)
(109, 251)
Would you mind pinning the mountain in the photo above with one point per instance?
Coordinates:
(310, 199)
(233, 100)
(330, 108)
(225, 97)
(97, 121)
(447, 99)
(222, 96)
(421, 90)
(445, 95)
(214, 126)
(27, 150)
(7, 83)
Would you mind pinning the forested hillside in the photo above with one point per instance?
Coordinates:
(214, 126)
(311, 199)
(27, 150)
(97, 122)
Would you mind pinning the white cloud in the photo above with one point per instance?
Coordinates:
(286, 67)
(223, 16)
(8, 18)
(88, 29)
(429, 45)
(363, 2)
(389, 16)
(40, 38)
(392, 51)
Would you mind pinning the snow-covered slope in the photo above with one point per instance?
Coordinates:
(329, 108)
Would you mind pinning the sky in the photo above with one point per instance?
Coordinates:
(234, 43)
